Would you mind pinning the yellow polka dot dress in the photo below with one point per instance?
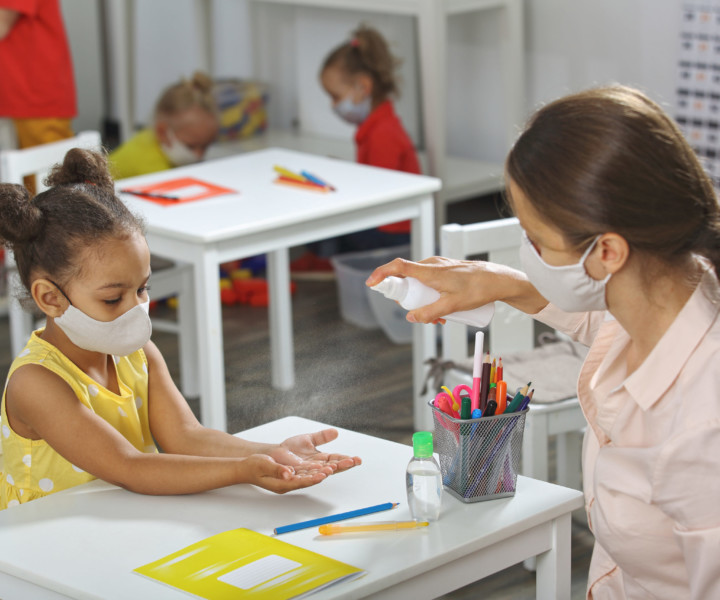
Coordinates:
(32, 469)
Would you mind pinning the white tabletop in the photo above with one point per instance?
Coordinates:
(262, 205)
(85, 542)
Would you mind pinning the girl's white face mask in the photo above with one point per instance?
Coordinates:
(569, 287)
(178, 153)
(120, 337)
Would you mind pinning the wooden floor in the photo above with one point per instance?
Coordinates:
(346, 376)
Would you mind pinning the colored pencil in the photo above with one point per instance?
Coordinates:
(306, 185)
(379, 526)
(333, 518)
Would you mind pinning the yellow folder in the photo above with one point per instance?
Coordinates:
(241, 563)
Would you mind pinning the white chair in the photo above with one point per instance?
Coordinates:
(512, 331)
(37, 161)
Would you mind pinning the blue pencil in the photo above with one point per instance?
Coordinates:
(316, 180)
(333, 518)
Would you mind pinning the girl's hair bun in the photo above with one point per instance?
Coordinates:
(20, 219)
(82, 166)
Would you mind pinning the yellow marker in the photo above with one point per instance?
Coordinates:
(289, 174)
(379, 526)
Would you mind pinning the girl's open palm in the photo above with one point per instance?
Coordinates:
(301, 450)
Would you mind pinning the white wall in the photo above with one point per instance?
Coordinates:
(570, 44)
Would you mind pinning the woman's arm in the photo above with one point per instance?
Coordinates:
(176, 429)
(46, 407)
(463, 285)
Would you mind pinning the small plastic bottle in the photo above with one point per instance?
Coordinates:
(424, 480)
(412, 294)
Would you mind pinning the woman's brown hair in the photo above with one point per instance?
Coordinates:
(367, 52)
(48, 232)
(611, 160)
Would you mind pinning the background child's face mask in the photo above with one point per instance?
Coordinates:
(177, 152)
(353, 112)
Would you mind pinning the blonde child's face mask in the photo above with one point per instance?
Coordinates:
(177, 152)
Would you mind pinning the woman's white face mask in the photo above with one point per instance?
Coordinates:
(122, 336)
(569, 287)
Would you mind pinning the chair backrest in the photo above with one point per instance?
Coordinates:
(38, 160)
(510, 329)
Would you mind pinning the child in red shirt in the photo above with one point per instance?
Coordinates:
(359, 77)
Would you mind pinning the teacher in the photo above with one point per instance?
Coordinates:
(621, 251)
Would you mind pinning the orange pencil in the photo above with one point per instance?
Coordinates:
(306, 185)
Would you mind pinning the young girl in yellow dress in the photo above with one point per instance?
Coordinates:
(90, 396)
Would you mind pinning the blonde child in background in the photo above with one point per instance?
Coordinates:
(90, 395)
(185, 123)
(359, 77)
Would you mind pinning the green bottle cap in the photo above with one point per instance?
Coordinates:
(423, 444)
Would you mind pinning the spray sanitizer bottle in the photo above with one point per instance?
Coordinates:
(411, 294)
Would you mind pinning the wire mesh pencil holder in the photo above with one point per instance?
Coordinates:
(479, 458)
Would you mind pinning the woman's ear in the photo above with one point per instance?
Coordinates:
(614, 252)
(48, 297)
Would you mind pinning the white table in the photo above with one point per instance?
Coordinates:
(268, 218)
(85, 542)
(462, 178)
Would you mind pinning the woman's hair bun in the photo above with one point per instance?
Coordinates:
(20, 219)
(82, 166)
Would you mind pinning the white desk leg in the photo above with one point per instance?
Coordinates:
(513, 51)
(281, 334)
(432, 43)
(189, 375)
(208, 317)
(553, 566)
(424, 338)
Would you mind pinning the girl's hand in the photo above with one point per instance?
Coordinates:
(300, 451)
(463, 285)
(261, 470)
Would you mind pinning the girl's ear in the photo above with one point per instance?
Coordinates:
(48, 298)
(363, 86)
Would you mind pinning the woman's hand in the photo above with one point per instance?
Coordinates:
(463, 285)
(300, 451)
